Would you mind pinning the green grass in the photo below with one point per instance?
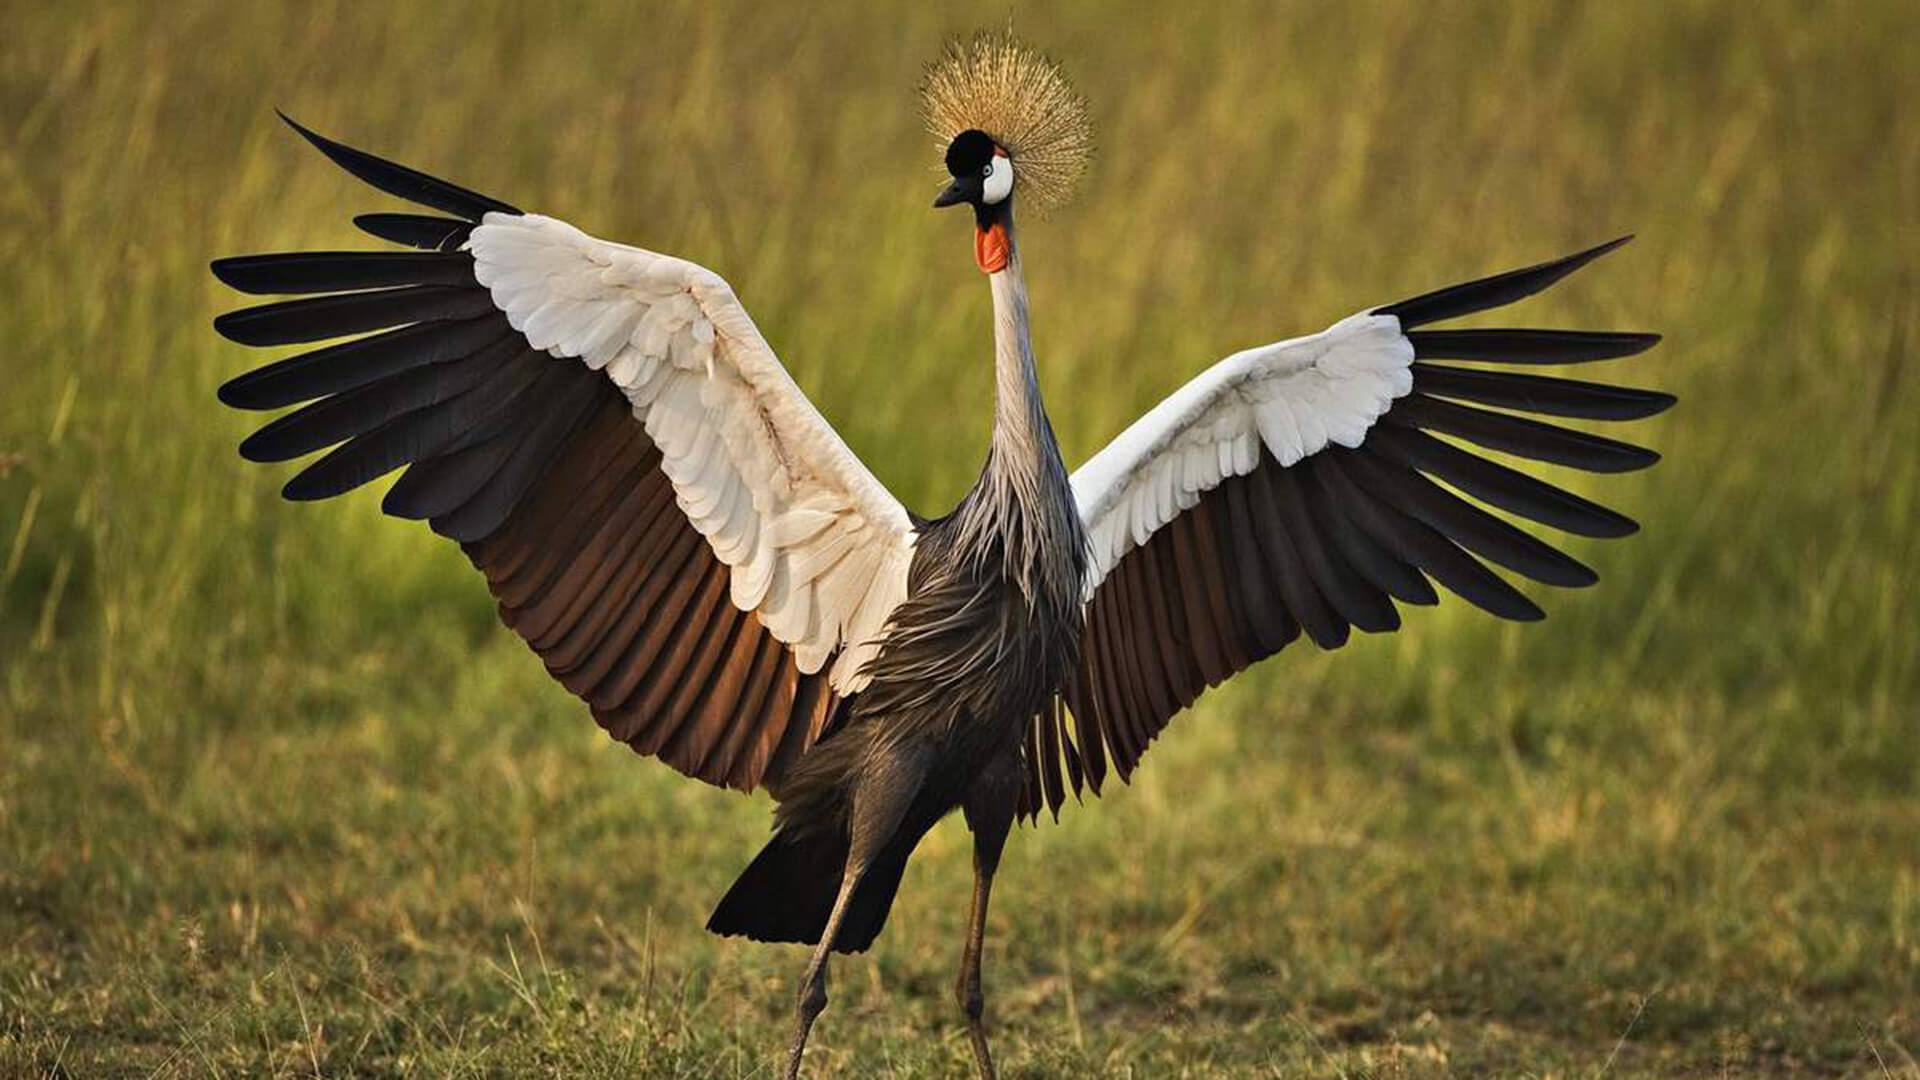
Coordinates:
(277, 796)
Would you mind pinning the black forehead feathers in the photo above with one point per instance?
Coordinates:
(969, 152)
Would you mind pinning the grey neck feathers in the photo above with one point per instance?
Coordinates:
(1022, 508)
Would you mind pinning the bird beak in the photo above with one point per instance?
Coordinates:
(955, 193)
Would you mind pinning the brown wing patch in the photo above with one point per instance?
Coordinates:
(603, 576)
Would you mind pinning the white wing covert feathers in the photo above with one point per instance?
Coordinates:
(662, 514)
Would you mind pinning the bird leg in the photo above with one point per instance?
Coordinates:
(967, 989)
(813, 988)
(989, 809)
(880, 801)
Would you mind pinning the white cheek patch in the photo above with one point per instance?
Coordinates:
(999, 180)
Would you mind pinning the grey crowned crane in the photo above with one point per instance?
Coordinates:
(691, 549)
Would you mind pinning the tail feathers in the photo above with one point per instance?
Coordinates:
(787, 892)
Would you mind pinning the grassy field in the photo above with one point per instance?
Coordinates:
(278, 797)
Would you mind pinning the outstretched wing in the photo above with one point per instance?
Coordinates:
(1291, 489)
(661, 512)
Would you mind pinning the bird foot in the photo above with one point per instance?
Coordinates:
(813, 999)
(982, 1057)
(972, 1002)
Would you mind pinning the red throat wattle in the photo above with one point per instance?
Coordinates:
(990, 248)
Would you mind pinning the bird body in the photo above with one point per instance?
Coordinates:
(691, 549)
(986, 636)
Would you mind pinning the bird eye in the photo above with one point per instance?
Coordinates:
(997, 182)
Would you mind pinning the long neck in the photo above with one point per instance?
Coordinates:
(1022, 437)
(1024, 499)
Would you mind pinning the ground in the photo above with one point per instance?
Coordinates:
(278, 797)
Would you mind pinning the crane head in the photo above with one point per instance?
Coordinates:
(982, 171)
(983, 179)
(1008, 119)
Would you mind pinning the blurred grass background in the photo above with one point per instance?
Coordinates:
(277, 796)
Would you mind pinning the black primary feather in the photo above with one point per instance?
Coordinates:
(1518, 435)
(1491, 292)
(341, 271)
(399, 181)
(416, 230)
(1529, 346)
(1540, 393)
(291, 322)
